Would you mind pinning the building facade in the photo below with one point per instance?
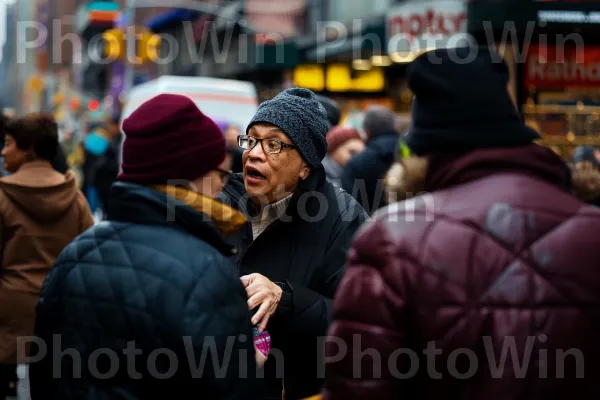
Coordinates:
(553, 51)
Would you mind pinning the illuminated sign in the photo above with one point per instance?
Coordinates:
(339, 78)
(548, 67)
(569, 17)
(521, 13)
(416, 26)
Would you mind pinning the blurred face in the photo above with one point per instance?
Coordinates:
(211, 184)
(231, 135)
(13, 156)
(345, 152)
(271, 177)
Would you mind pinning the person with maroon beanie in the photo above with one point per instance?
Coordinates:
(152, 286)
(343, 143)
(484, 286)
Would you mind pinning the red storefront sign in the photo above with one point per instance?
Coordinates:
(426, 24)
(550, 67)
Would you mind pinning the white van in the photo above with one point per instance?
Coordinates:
(220, 99)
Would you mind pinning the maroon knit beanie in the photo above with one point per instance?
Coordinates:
(340, 135)
(169, 138)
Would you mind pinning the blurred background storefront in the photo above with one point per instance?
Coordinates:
(554, 47)
(356, 52)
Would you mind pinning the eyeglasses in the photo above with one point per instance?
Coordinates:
(224, 175)
(270, 146)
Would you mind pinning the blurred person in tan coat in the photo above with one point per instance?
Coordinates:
(41, 211)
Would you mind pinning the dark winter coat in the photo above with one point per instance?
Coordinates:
(157, 276)
(499, 257)
(364, 174)
(308, 255)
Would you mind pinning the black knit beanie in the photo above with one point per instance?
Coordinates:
(299, 114)
(462, 103)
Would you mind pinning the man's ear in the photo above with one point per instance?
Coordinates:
(305, 172)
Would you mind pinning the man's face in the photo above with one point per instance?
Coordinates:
(271, 177)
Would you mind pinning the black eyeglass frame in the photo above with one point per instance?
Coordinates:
(261, 140)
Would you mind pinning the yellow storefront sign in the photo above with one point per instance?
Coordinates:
(310, 77)
(339, 78)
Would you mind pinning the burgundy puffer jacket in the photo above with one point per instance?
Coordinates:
(494, 294)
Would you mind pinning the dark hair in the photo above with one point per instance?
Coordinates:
(59, 162)
(379, 120)
(37, 132)
(3, 122)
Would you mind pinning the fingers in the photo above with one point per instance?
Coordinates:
(254, 288)
(264, 322)
(248, 279)
(259, 292)
(255, 300)
(261, 313)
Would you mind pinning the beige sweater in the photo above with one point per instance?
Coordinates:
(268, 215)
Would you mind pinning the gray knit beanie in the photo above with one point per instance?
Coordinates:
(299, 114)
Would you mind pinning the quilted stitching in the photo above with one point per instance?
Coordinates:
(120, 282)
(464, 276)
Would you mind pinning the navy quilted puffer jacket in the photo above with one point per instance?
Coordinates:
(151, 308)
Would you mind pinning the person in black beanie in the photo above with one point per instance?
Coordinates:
(332, 108)
(455, 101)
(494, 247)
(292, 253)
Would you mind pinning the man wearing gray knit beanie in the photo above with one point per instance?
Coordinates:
(291, 255)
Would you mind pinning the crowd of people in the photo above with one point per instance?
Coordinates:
(448, 255)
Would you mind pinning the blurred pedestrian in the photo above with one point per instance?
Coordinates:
(155, 277)
(497, 258)
(42, 211)
(106, 167)
(342, 144)
(332, 108)
(234, 153)
(292, 252)
(363, 176)
(102, 147)
(586, 174)
(587, 154)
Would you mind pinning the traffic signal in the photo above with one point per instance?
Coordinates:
(114, 44)
(148, 49)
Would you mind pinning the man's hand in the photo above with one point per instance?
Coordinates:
(261, 291)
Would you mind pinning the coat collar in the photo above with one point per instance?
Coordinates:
(226, 219)
(137, 204)
(447, 170)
